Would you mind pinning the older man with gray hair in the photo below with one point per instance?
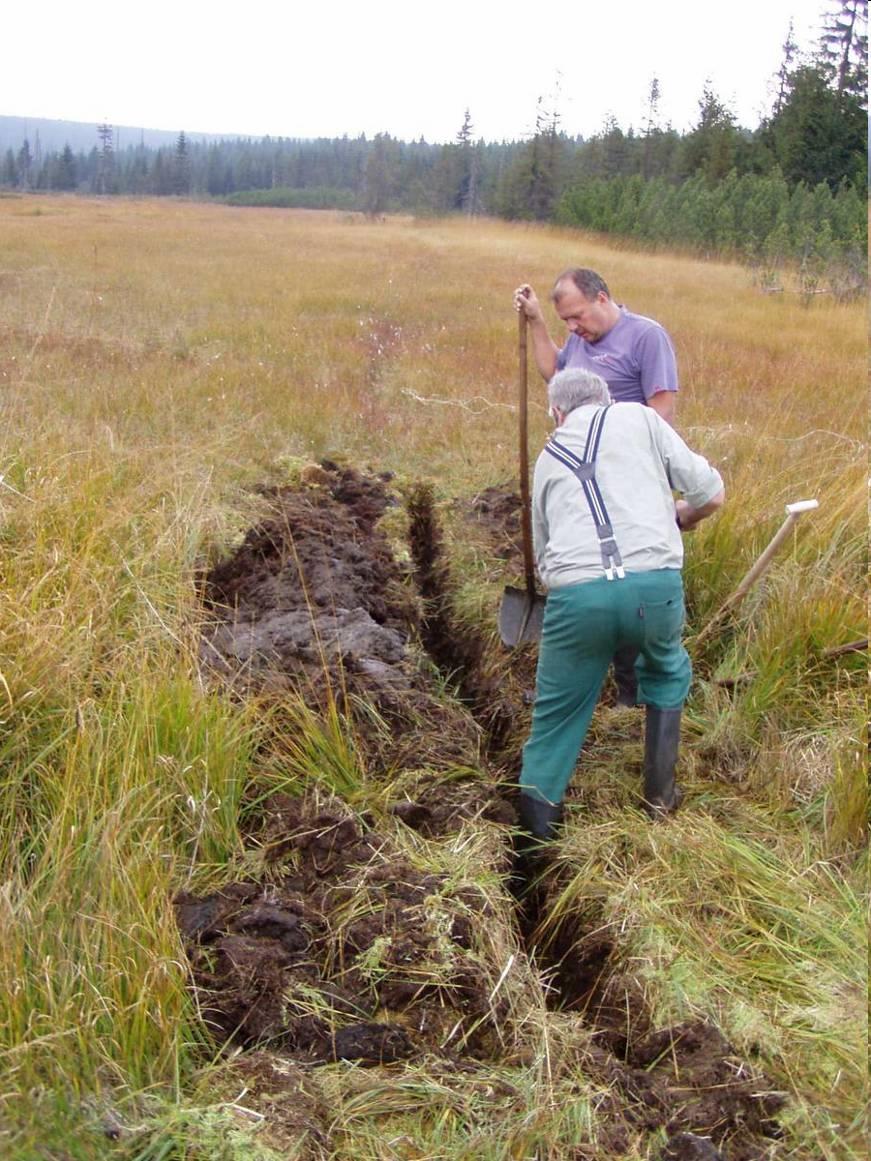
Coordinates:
(607, 536)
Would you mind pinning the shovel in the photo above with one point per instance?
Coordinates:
(522, 610)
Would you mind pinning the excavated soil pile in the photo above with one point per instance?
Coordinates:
(348, 953)
(690, 1081)
(315, 601)
(313, 593)
(495, 513)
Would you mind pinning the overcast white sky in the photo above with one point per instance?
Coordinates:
(328, 67)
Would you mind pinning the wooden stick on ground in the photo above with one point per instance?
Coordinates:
(850, 647)
(793, 511)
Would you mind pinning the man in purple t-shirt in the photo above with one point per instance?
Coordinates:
(633, 354)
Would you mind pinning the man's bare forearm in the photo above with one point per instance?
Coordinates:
(664, 403)
(688, 517)
(544, 349)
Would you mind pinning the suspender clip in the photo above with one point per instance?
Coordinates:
(612, 561)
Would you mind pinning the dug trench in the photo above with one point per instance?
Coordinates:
(346, 944)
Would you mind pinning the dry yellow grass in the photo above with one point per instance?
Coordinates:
(270, 331)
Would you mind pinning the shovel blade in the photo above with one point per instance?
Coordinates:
(520, 617)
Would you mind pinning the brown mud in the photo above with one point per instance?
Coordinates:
(347, 953)
(685, 1078)
(495, 512)
(313, 596)
(344, 950)
(493, 690)
(314, 601)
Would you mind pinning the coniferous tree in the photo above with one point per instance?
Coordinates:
(547, 167)
(467, 195)
(530, 184)
(105, 177)
(651, 128)
(710, 148)
(616, 151)
(819, 135)
(10, 170)
(380, 175)
(790, 49)
(138, 176)
(844, 48)
(163, 174)
(217, 181)
(181, 175)
(24, 166)
(66, 177)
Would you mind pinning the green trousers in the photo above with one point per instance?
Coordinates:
(583, 625)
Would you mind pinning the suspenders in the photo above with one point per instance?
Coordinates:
(585, 470)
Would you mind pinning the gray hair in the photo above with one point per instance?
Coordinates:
(574, 387)
(587, 281)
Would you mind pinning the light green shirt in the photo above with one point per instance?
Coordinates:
(641, 462)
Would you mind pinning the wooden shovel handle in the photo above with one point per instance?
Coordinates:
(525, 505)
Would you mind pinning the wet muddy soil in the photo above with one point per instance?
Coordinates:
(348, 952)
(314, 601)
(689, 1081)
(313, 594)
(495, 513)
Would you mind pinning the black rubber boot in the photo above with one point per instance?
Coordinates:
(537, 822)
(539, 819)
(624, 675)
(661, 743)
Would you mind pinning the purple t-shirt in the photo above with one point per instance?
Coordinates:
(635, 358)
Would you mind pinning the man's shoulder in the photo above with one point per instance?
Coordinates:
(629, 414)
(633, 421)
(640, 323)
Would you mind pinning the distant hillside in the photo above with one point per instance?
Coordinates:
(81, 136)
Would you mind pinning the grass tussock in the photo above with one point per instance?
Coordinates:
(157, 364)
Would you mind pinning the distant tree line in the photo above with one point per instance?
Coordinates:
(793, 188)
